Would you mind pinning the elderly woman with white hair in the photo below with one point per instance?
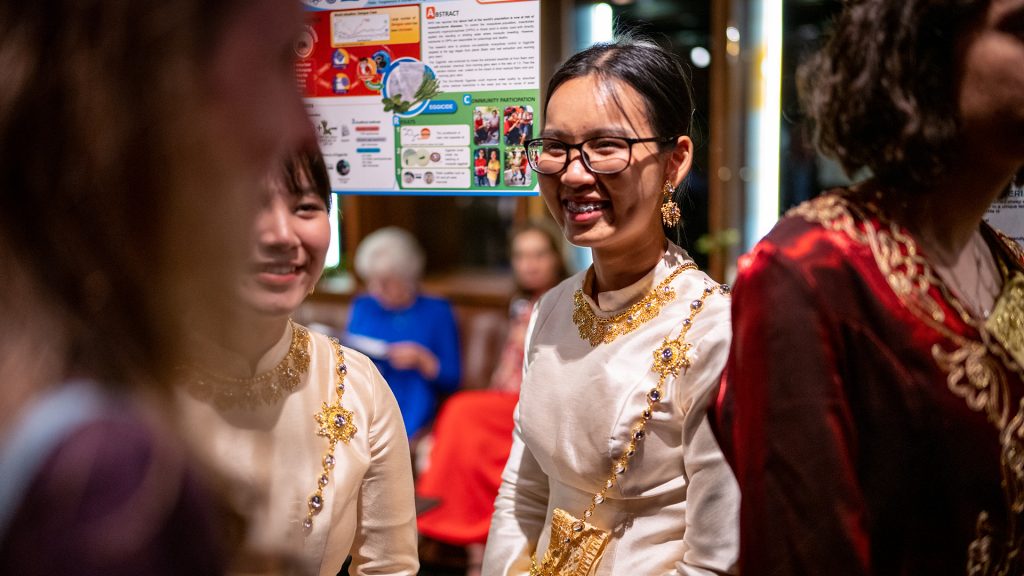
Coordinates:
(411, 337)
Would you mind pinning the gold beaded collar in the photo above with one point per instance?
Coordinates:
(226, 392)
(597, 329)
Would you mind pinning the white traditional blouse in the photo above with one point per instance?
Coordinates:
(676, 509)
(271, 460)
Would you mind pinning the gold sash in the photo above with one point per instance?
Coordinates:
(570, 552)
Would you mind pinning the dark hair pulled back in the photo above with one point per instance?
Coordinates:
(657, 75)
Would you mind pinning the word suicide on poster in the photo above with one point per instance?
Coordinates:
(432, 98)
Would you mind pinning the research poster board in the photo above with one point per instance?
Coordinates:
(423, 98)
(1007, 214)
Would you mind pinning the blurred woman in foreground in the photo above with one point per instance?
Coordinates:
(128, 129)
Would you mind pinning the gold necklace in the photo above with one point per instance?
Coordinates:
(597, 329)
(576, 545)
(226, 392)
(335, 423)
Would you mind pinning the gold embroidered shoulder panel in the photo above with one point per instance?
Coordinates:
(895, 253)
(1015, 249)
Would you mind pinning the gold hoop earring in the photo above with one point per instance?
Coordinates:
(669, 209)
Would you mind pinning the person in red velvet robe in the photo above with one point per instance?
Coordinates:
(873, 403)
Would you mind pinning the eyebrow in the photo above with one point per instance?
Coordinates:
(618, 131)
(300, 192)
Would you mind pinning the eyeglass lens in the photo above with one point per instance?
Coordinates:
(604, 155)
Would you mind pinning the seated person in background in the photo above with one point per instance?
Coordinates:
(473, 432)
(412, 338)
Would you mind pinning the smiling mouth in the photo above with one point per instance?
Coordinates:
(583, 207)
(278, 269)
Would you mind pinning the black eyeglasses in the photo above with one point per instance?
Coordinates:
(601, 154)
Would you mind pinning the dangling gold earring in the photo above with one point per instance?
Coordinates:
(669, 209)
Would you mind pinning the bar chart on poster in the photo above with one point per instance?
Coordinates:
(423, 98)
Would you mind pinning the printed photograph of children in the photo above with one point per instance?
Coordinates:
(485, 125)
(518, 125)
(480, 167)
(493, 167)
(516, 167)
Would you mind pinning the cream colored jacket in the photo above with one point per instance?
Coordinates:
(676, 510)
(272, 460)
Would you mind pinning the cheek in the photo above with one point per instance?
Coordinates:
(318, 238)
(636, 198)
(525, 267)
(993, 82)
(374, 289)
(551, 268)
(549, 191)
(394, 292)
(647, 192)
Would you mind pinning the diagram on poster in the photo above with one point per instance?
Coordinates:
(423, 97)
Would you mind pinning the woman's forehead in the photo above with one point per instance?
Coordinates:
(529, 238)
(595, 104)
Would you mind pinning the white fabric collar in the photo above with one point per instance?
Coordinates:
(614, 301)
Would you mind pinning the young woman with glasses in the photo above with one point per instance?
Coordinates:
(613, 468)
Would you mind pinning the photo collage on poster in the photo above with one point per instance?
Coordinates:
(433, 97)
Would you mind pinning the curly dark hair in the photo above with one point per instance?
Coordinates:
(883, 91)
